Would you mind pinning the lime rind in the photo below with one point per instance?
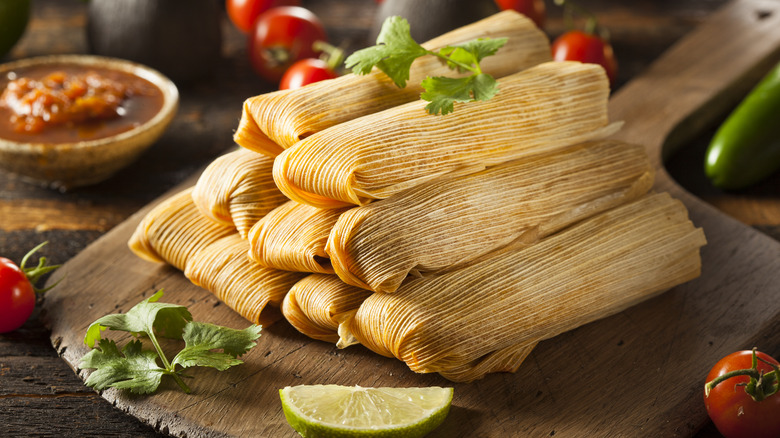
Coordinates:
(324, 411)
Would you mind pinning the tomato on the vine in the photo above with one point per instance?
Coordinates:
(576, 45)
(306, 71)
(17, 290)
(533, 9)
(730, 405)
(281, 36)
(243, 13)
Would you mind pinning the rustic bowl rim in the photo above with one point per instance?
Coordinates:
(169, 91)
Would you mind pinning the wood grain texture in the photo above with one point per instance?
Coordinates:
(666, 343)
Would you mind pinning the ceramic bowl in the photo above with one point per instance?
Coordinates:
(68, 165)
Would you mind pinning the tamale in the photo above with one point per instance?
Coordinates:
(540, 110)
(596, 268)
(275, 121)
(318, 304)
(238, 189)
(174, 230)
(292, 237)
(211, 255)
(453, 220)
(506, 360)
(224, 269)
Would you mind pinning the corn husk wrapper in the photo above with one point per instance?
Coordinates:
(319, 304)
(174, 230)
(540, 110)
(292, 237)
(589, 271)
(451, 221)
(275, 121)
(212, 256)
(253, 291)
(238, 189)
(506, 360)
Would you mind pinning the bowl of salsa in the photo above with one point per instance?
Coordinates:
(74, 120)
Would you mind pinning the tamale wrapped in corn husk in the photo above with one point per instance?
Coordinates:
(174, 230)
(453, 220)
(293, 237)
(598, 267)
(540, 110)
(275, 121)
(246, 287)
(213, 256)
(238, 189)
(506, 360)
(318, 304)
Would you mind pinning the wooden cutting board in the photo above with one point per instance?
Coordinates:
(638, 373)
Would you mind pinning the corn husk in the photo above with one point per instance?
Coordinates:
(292, 237)
(174, 230)
(253, 291)
(274, 121)
(237, 189)
(596, 268)
(452, 221)
(540, 110)
(212, 256)
(318, 304)
(506, 360)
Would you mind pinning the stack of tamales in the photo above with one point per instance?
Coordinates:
(454, 243)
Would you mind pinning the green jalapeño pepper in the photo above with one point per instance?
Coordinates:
(746, 148)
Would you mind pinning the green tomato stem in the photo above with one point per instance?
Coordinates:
(332, 55)
(569, 8)
(35, 273)
(760, 386)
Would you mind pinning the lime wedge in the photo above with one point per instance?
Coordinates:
(352, 411)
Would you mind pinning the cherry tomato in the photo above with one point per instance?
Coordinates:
(280, 37)
(577, 45)
(732, 410)
(243, 13)
(533, 9)
(17, 296)
(304, 72)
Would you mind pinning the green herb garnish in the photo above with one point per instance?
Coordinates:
(138, 370)
(396, 50)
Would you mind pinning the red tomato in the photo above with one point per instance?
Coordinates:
(280, 37)
(17, 296)
(732, 410)
(577, 45)
(306, 71)
(243, 13)
(533, 9)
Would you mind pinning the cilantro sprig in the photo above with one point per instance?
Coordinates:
(396, 50)
(138, 370)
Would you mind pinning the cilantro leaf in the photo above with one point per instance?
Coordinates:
(396, 50)
(137, 370)
(146, 317)
(201, 339)
(133, 368)
(443, 92)
(394, 53)
(458, 58)
(483, 47)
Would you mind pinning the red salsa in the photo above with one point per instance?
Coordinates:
(67, 103)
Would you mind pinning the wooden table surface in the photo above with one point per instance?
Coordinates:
(39, 394)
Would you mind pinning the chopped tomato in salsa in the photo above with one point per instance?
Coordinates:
(59, 99)
(62, 103)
